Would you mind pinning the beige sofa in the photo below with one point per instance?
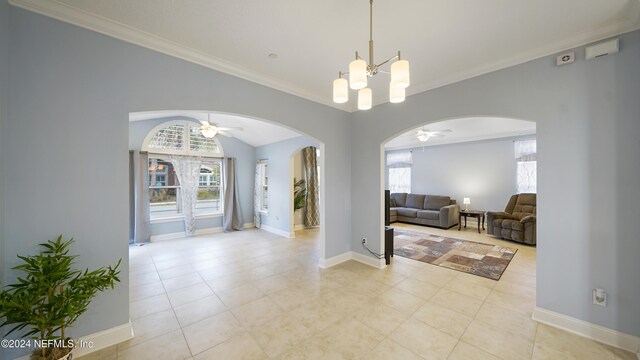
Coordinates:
(431, 210)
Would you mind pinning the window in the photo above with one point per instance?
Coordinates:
(175, 139)
(526, 166)
(209, 199)
(264, 185)
(399, 165)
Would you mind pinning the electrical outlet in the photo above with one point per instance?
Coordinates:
(599, 297)
(364, 241)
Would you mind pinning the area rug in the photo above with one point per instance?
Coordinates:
(475, 258)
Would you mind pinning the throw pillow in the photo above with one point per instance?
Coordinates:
(392, 203)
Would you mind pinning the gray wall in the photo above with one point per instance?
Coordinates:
(71, 91)
(4, 86)
(279, 155)
(484, 171)
(588, 126)
(232, 147)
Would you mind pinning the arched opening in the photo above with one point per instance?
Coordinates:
(249, 141)
(461, 170)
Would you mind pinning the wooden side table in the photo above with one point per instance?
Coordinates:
(480, 215)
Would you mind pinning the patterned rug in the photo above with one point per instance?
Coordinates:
(480, 259)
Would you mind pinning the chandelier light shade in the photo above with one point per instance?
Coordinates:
(358, 74)
(340, 91)
(400, 74)
(364, 99)
(396, 93)
(360, 70)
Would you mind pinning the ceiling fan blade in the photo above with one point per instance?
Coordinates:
(231, 128)
(437, 135)
(441, 131)
(224, 133)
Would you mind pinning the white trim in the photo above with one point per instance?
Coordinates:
(101, 340)
(181, 218)
(591, 331)
(368, 260)
(298, 227)
(181, 234)
(138, 37)
(333, 261)
(273, 230)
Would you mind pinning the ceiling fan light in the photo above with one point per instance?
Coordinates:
(423, 137)
(340, 91)
(396, 94)
(364, 99)
(400, 73)
(358, 74)
(208, 131)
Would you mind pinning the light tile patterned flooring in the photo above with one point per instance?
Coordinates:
(254, 295)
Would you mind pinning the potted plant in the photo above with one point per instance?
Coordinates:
(49, 296)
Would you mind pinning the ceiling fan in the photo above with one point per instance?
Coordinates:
(209, 129)
(424, 135)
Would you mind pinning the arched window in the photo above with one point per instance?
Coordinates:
(165, 144)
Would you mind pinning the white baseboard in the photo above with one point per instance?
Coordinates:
(248, 225)
(591, 331)
(333, 261)
(100, 340)
(368, 260)
(352, 255)
(299, 227)
(273, 230)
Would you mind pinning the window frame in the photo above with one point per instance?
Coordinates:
(264, 187)
(164, 154)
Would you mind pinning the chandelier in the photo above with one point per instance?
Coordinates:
(359, 70)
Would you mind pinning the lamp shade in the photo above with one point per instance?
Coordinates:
(466, 201)
(358, 74)
(364, 99)
(396, 94)
(340, 91)
(400, 73)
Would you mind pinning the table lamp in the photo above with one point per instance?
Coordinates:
(466, 202)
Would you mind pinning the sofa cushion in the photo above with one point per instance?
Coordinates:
(414, 201)
(392, 203)
(435, 202)
(429, 214)
(406, 212)
(399, 198)
(393, 212)
(525, 205)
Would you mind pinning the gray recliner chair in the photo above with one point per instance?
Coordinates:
(518, 220)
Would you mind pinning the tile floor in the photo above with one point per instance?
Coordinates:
(254, 295)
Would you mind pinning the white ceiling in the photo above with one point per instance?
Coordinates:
(464, 130)
(255, 132)
(445, 41)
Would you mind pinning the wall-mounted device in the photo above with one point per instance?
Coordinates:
(604, 48)
(565, 59)
(599, 297)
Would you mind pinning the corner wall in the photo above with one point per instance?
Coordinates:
(588, 126)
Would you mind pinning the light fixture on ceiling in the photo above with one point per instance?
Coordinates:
(424, 135)
(359, 70)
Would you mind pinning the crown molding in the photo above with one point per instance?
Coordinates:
(102, 25)
(538, 53)
(74, 16)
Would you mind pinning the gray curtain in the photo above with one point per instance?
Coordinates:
(188, 172)
(139, 197)
(232, 215)
(311, 216)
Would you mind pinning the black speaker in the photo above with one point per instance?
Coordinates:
(387, 210)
